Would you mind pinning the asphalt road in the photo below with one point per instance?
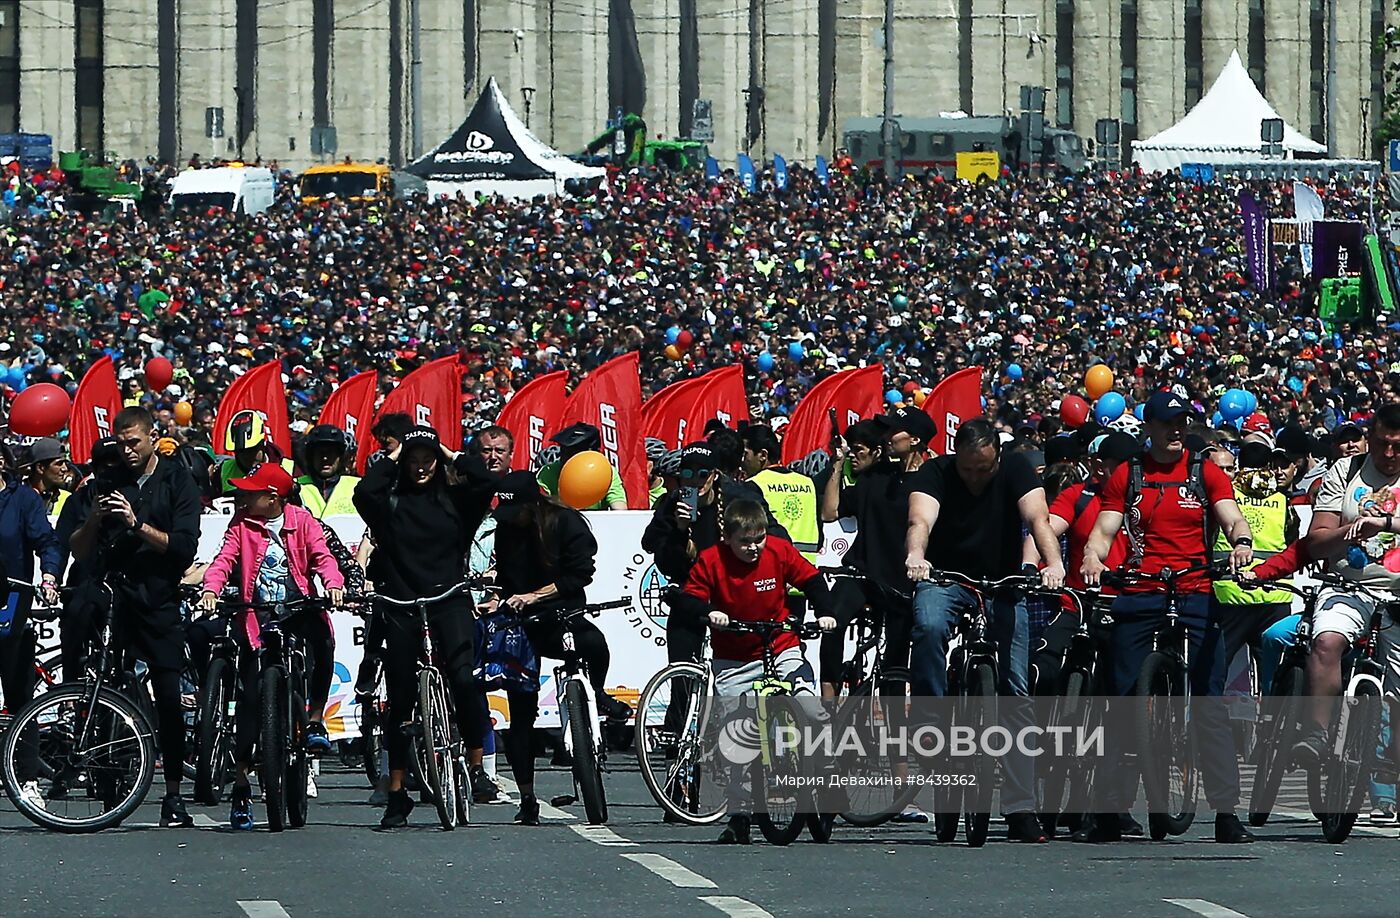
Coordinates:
(340, 867)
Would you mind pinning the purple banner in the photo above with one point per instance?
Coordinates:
(1337, 247)
(1258, 252)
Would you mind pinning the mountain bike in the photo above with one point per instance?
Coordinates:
(579, 722)
(214, 716)
(94, 744)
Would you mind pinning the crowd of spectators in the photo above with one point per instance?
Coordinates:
(1143, 272)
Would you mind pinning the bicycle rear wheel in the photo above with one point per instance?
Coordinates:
(1348, 764)
(878, 785)
(1065, 779)
(298, 761)
(979, 712)
(781, 807)
(438, 748)
(83, 786)
(677, 742)
(272, 769)
(1282, 708)
(588, 776)
(372, 737)
(214, 736)
(1165, 751)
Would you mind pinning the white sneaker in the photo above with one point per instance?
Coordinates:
(310, 786)
(1383, 815)
(29, 792)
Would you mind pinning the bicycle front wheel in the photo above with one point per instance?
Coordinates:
(1165, 750)
(1282, 708)
(677, 743)
(438, 752)
(214, 734)
(1347, 765)
(979, 706)
(588, 776)
(1065, 778)
(880, 785)
(781, 806)
(74, 767)
(298, 761)
(272, 740)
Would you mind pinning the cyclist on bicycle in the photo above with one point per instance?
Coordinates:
(1354, 529)
(277, 550)
(745, 578)
(966, 511)
(422, 528)
(544, 559)
(1166, 500)
(139, 531)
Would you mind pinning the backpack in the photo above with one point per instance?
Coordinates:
(505, 658)
(1137, 481)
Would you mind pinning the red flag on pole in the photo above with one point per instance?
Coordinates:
(432, 396)
(95, 403)
(532, 413)
(678, 413)
(351, 408)
(855, 394)
(956, 399)
(665, 415)
(610, 398)
(723, 398)
(261, 390)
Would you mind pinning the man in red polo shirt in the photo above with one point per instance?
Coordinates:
(1166, 499)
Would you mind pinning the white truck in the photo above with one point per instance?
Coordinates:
(235, 189)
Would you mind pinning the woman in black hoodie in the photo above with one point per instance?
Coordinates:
(544, 560)
(422, 526)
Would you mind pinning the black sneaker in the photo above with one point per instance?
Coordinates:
(484, 790)
(737, 832)
(1308, 751)
(1025, 827)
(1230, 831)
(612, 709)
(172, 813)
(1128, 825)
(1100, 828)
(529, 814)
(396, 813)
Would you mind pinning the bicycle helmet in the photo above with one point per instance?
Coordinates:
(813, 464)
(656, 449)
(246, 430)
(670, 464)
(327, 435)
(1127, 424)
(545, 456)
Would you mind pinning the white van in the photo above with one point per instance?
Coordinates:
(236, 189)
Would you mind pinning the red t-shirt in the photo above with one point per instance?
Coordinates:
(1171, 520)
(1080, 528)
(749, 592)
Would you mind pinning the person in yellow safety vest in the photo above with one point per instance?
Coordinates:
(791, 496)
(1261, 619)
(246, 446)
(328, 453)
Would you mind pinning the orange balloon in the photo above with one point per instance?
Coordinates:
(1098, 380)
(584, 480)
(184, 413)
(919, 398)
(673, 352)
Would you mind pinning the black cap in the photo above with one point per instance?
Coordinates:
(578, 436)
(1117, 447)
(1294, 441)
(1255, 455)
(913, 421)
(106, 451)
(697, 457)
(518, 488)
(1062, 449)
(1164, 406)
(420, 436)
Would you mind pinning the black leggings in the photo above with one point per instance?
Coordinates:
(320, 659)
(454, 640)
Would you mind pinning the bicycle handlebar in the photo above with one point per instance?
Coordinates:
(569, 615)
(1125, 576)
(766, 629)
(851, 573)
(456, 588)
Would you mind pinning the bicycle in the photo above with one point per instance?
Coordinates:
(679, 745)
(214, 723)
(1165, 748)
(94, 742)
(579, 723)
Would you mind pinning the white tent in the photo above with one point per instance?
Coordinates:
(493, 152)
(1223, 127)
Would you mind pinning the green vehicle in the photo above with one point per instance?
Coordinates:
(94, 184)
(677, 155)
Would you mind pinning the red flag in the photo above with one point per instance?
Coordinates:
(610, 398)
(956, 399)
(351, 408)
(855, 394)
(261, 390)
(678, 413)
(95, 403)
(532, 413)
(432, 396)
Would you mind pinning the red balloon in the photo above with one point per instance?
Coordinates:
(1074, 411)
(910, 387)
(40, 411)
(159, 373)
(684, 340)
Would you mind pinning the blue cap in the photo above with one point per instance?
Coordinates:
(1164, 406)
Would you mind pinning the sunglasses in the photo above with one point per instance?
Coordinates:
(689, 474)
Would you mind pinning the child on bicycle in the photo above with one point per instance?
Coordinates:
(745, 578)
(277, 549)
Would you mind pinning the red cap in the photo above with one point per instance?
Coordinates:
(266, 477)
(1258, 422)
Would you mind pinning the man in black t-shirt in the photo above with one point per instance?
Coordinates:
(966, 513)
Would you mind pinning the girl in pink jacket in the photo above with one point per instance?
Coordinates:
(274, 550)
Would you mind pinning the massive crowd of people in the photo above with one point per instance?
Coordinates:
(1145, 273)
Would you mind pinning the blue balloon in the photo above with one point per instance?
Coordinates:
(1253, 403)
(1138, 410)
(1109, 407)
(894, 396)
(1014, 371)
(795, 350)
(765, 362)
(672, 334)
(1234, 404)
(14, 376)
(1216, 420)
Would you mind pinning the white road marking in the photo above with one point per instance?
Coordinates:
(1304, 816)
(1206, 907)
(201, 821)
(735, 907)
(602, 835)
(670, 871)
(263, 908)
